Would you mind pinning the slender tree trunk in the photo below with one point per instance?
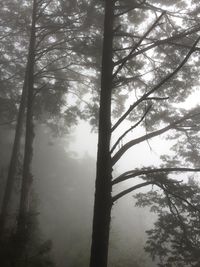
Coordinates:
(13, 162)
(14, 159)
(22, 223)
(103, 203)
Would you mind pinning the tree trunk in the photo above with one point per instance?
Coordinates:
(103, 203)
(22, 224)
(13, 161)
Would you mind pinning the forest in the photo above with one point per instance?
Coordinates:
(99, 133)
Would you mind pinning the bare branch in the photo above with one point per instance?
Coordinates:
(134, 173)
(136, 46)
(136, 141)
(157, 98)
(169, 40)
(168, 77)
(125, 192)
(130, 129)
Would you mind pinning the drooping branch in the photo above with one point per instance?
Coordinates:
(134, 173)
(168, 191)
(162, 185)
(155, 88)
(130, 129)
(136, 46)
(175, 212)
(136, 141)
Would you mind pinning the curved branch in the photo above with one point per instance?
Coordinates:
(131, 174)
(168, 77)
(136, 141)
(160, 185)
(125, 59)
(130, 129)
(125, 192)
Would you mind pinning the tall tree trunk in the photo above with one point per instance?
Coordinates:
(102, 203)
(13, 161)
(22, 224)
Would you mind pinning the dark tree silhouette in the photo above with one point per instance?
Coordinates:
(123, 57)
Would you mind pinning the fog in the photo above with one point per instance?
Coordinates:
(63, 189)
(64, 178)
(127, 70)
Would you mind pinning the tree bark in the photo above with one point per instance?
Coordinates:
(22, 223)
(13, 161)
(103, 199)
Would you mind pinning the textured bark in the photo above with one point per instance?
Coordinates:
(13, 161)
(103, 200)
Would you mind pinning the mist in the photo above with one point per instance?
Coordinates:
(63, 190)
(99, 133)
(64, 182)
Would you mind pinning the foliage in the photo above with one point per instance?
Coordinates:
(175, 238)
(58, 64)
(36, 252)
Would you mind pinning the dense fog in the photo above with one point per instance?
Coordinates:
(63, 191)
(99, 133)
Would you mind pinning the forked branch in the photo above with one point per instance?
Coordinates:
(136, 141)
(136, 46)
(155, 88)
(130, 129)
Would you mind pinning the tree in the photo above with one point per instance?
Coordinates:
(174, 240)
(28, 151)
(53, 74)
(38, 251)
(16, 146)
(48, 75)
(123, 58)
